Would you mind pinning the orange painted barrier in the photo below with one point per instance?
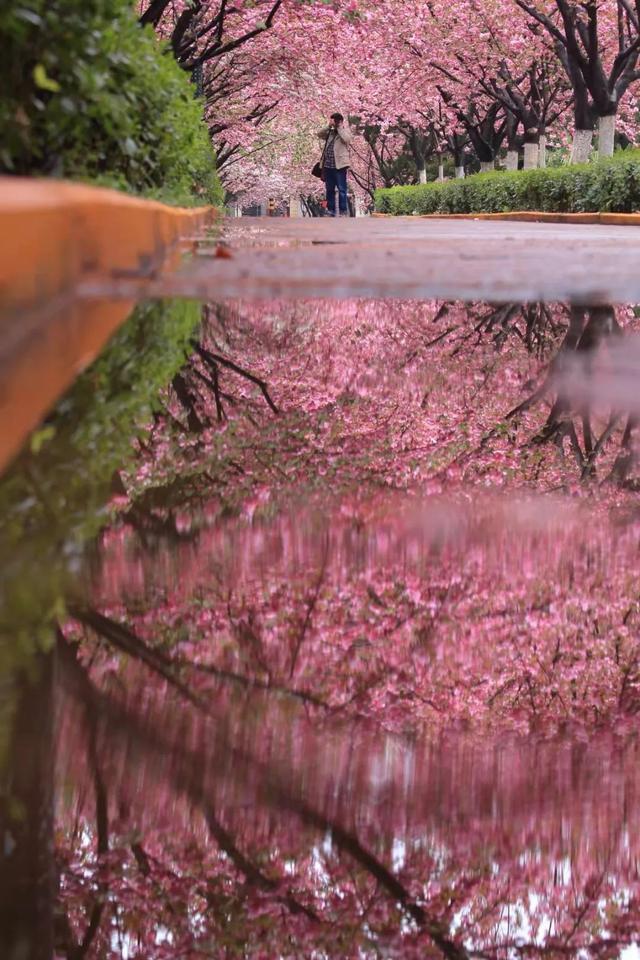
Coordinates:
(54, 237)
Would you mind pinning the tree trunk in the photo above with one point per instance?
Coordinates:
(441, 171)
(581, 148)
(542, 150)
(531, 152)
(511, 162)
(606, 135)
(486, 167)
(460, 173)
(26, 821)
(583, 116)
(422, 175)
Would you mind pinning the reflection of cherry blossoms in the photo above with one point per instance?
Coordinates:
(405, 613)
(397, 394)
(229, 809)
(357, 671)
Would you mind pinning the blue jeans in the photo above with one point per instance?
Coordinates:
(336, 178)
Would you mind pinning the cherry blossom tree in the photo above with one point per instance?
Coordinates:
(203, 31)
(598, 44)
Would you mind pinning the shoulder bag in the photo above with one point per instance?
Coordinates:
(318, 169)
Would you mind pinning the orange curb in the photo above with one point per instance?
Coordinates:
(53, 237)
(533, 216)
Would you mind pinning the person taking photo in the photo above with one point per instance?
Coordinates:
(335, 163)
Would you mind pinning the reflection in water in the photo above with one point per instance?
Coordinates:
(354, 670)
(396, 394)
(260, 812)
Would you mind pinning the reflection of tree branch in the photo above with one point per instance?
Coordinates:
(215, 358)
(253, 874)
(128, 642)
(185, 771)
(581, 914)
(349, 843)
(625, 459)
(223, 838)
(604, 436)
(102, 808)
(253, 684)
(183, 394)
(311, 605)
(141, 858)
(213, 385)
(586, 330)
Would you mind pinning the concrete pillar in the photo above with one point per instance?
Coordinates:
(295, 207)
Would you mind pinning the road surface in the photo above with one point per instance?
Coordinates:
(411, 257)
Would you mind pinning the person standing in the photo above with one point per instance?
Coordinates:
(337, 137)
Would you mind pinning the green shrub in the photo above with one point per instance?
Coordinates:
(87, 94)
(611, 185)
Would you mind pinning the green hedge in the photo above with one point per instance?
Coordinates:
(85, 93)
(606, 185)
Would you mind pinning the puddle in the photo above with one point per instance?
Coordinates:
(351, 668)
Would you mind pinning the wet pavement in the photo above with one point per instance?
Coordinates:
(413, 257)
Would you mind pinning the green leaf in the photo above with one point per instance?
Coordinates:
(40, 437)
(42, 81)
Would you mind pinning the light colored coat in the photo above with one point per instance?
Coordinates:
(341, 144)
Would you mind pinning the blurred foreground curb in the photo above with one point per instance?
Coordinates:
(55, 237)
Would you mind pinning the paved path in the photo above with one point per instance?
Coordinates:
(421, 258)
